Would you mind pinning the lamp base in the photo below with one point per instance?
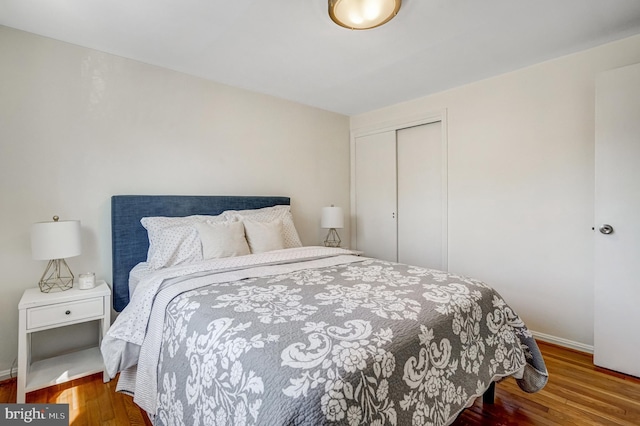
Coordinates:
(333, 239)
(57, 276)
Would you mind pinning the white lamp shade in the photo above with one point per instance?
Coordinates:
(332, 217)
(55, 240)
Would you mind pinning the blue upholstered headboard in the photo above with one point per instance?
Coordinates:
(129, 238)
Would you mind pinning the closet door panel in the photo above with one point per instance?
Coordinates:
(616, 338)
(420, 198)
(375, 199)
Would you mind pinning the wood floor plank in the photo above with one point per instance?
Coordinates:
(578, 394)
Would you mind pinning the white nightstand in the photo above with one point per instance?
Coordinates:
(42, 311)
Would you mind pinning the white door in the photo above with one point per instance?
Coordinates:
(375, 186)
(420, 196)
(617, 203)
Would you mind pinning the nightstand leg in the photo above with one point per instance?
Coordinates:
(23, 356)
(104, 327)
(105, 323)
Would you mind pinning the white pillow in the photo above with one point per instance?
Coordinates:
(264, 236)
(269, 214)
(171, 239)
(222, 239)
(175, 245)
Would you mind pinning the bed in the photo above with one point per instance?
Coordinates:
(291, 335)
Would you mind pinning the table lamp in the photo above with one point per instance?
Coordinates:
(332, 218)
(55, 241)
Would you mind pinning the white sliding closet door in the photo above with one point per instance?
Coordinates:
(375, 186)
(400, 195)
(420, 197)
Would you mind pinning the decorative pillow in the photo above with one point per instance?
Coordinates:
(222, 239)
(269, 214)
(264, 236)
(171, 239)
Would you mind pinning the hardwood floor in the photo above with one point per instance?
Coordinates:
(91, 402)
(578, 393)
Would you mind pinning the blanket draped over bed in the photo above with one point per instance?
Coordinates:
(315, 336)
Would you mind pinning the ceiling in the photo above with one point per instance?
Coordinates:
(291, 49)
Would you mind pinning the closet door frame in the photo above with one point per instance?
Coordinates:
(395, 125)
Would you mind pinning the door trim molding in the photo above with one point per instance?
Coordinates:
(395, 125)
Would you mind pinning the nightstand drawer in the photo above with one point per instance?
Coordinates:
(64, 312)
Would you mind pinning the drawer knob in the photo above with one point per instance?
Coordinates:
(67, 313)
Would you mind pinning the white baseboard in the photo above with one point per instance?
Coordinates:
(562, 342)
(7, 374)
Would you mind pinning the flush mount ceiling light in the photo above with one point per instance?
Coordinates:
(363, 14)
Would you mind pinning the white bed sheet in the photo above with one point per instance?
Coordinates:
(138, 273)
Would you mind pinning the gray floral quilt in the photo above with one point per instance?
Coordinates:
(362, 343)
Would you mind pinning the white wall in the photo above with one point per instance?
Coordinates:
(521, 183)
(77, 126)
